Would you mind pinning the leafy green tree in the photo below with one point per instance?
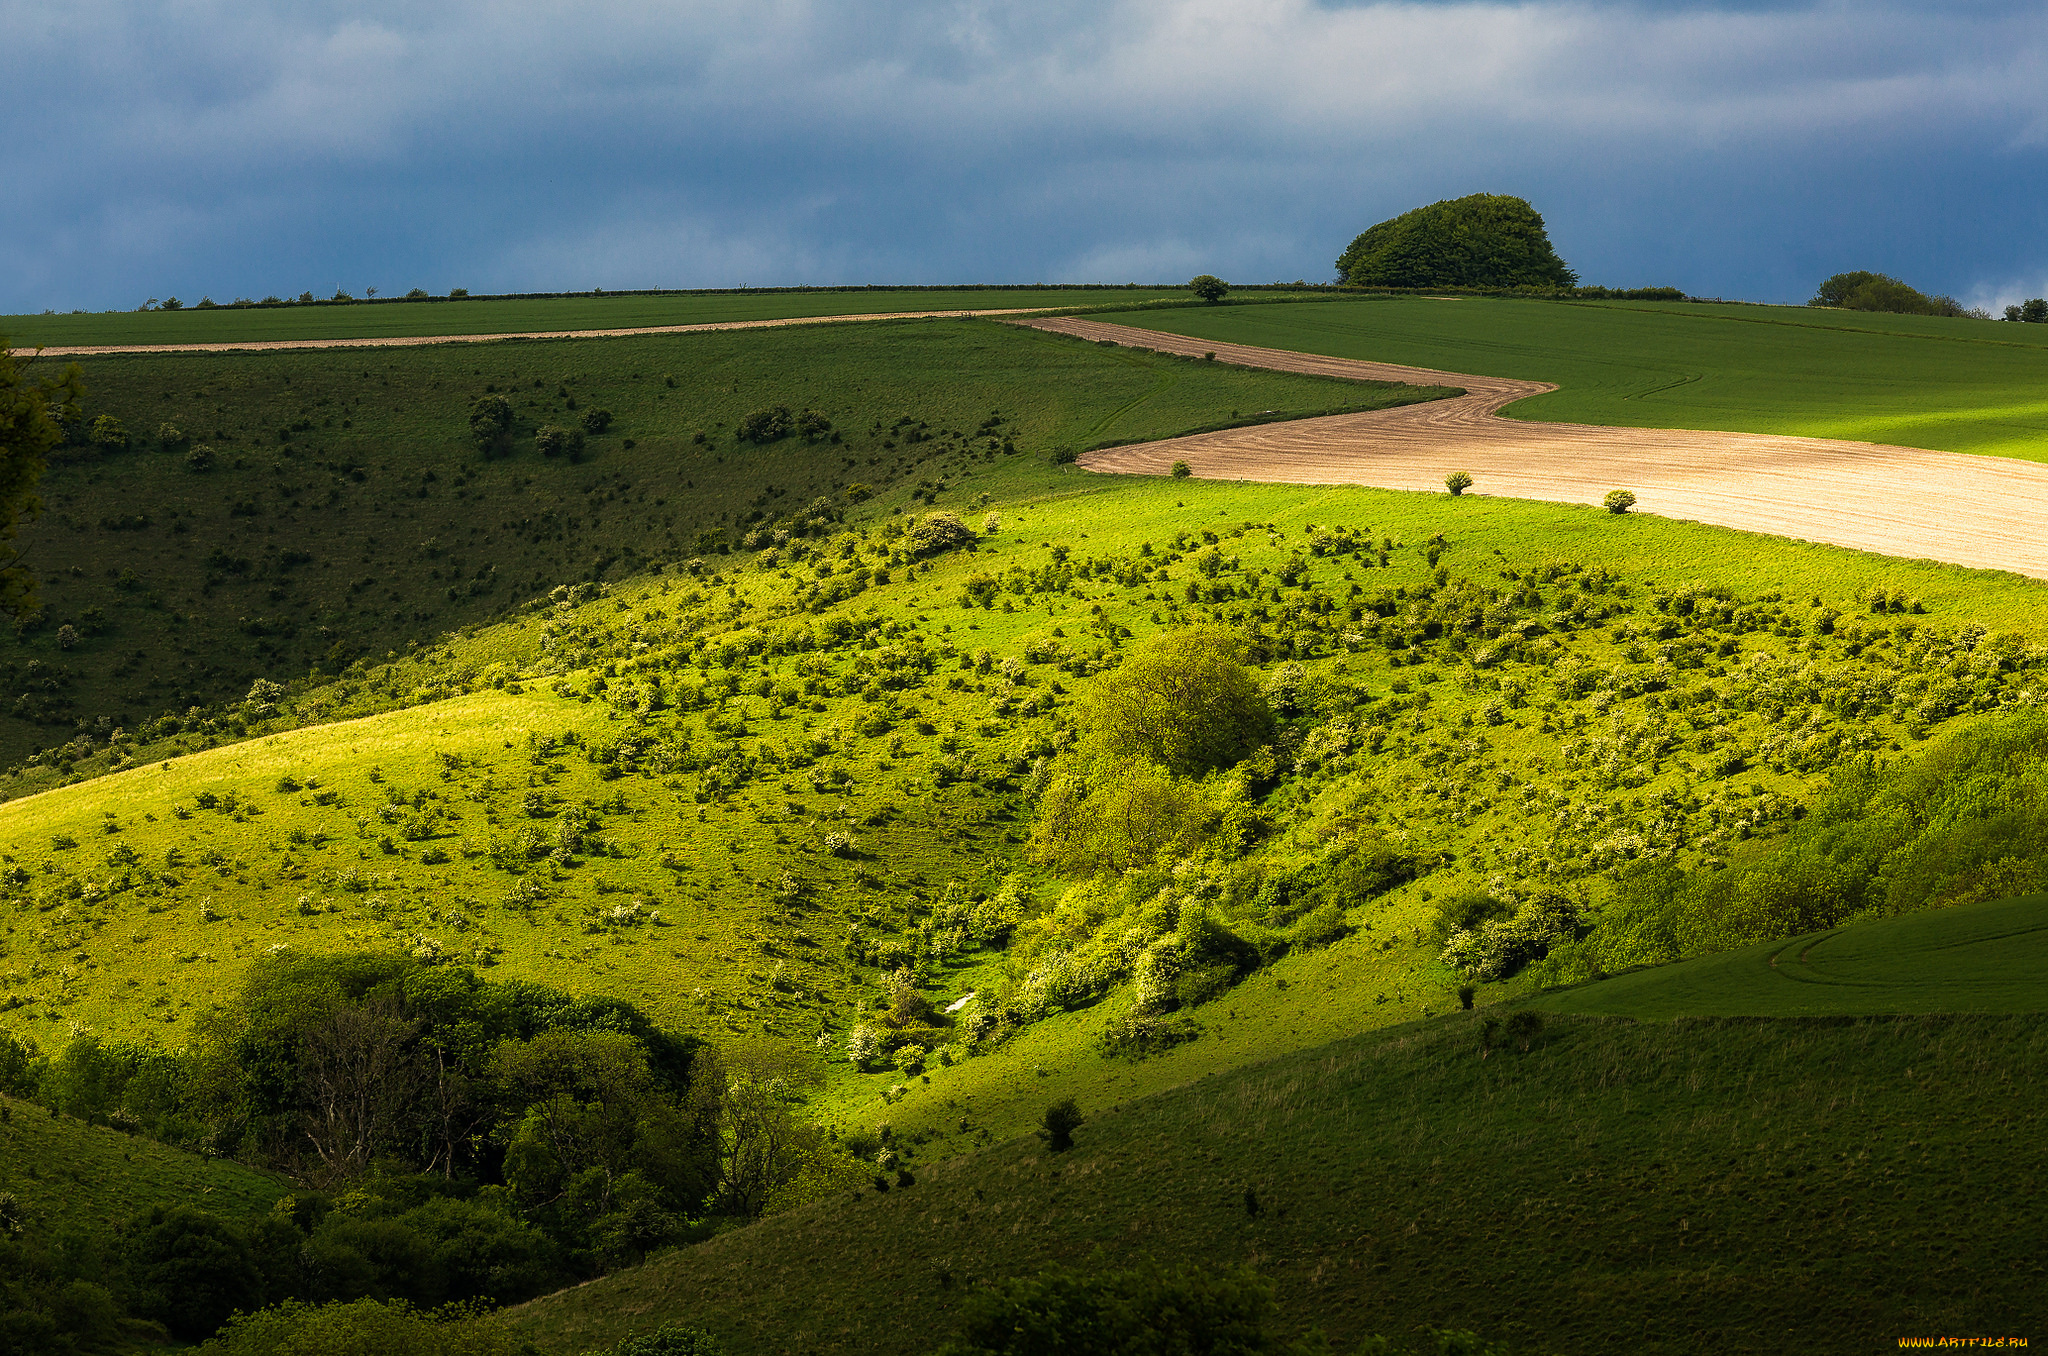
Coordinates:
(108, 435)
(1115, 814)
(1865, 291)
(765, 425)
(366, 1327)
(1484, 240)
(939, 532)
(1457, 482)
(32, 416)
(1208, 287)
(2034, 311)
(1184, 700)
(191, 1271)
(1619, 501)
(490, 424)
(552, 440)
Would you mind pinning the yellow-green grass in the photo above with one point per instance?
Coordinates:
(1984, 957)
(69, 1175)
(348, 513)
(399, 318)
(1956, 385)
(1693, 1187)
(144, 961)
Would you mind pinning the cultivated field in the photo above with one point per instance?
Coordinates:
(1897, 501)
(409, 319)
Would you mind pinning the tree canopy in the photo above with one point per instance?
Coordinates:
(1184, 700)
(1866, 291)
(1484, 240)
(32, 415)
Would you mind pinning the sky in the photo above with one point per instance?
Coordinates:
(1744, 150)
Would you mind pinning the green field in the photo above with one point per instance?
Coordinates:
(1988, 957)
(347, 513)
(398, 318)
(1698, 1187)
(1953, 385)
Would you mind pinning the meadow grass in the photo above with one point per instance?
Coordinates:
(133, 906)
(348, 513)
(398, 318)
(72, 1176)
(1984, 957)
(1956, 385)
(1696, 1187)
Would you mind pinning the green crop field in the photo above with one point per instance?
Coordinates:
(1984, 957)
(1686, 1188)
(1953, 385)
(405, 319)
(344, 510)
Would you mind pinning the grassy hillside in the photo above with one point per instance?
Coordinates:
(68, 1175)
(398, 317)
(1955, 385)
(1696, 1187)
(1985, 957)
(346, 512)
(815, 765)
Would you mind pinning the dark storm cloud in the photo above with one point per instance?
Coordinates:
(1742, 149)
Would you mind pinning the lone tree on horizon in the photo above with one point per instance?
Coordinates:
(1208, 287)
(1484, 240)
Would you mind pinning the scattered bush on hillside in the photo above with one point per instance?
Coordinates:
(552, 440)
(1457, 482)
(1209, 287)
(1058, 1125)
(1181, 470)
(1484, 240)
(596, 420)
(200, 459)
(1503, 946)
(490, 425)
(107, 434)
(1864, 291)
(937, 533)
(1619, 501)
(765, 425)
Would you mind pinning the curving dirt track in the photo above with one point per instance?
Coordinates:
(416, 340)
(1983, 512)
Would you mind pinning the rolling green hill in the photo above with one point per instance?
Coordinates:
(1955, 385)
(1697, 1187)
(67, 1175)
(1986, 957)
(344, 510)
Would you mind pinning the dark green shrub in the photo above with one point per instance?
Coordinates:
(191, 1271)
(939, 532)
(1136, 1037)
(1523, 1027)
(1060, 1122)
(1208, 287)
(552, 440)
(596, 421)
(1192, 988)
(365, 1328)
(1466, 993)
(1482, 240)
(1619, 501)
(764, 426)
(1319, 927)
(490, 425)
(200, 459)
(1181, 470)
(1457, 482)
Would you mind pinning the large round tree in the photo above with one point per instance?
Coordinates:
(1485, 240)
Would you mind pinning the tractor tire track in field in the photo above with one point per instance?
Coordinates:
(416, 340)
(1981, 512)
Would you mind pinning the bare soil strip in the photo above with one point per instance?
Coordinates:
(416, 340)
(1981, 512)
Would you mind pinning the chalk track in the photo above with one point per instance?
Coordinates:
(1983, 512)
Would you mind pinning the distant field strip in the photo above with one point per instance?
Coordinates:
(415, 340)
(1981, 512)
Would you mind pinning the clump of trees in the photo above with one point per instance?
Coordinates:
(1483, 240)
(1865, 291)
(490, 425)
(454, 1140)
(2031, 312)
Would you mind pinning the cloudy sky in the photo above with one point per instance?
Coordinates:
(1736, 149)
